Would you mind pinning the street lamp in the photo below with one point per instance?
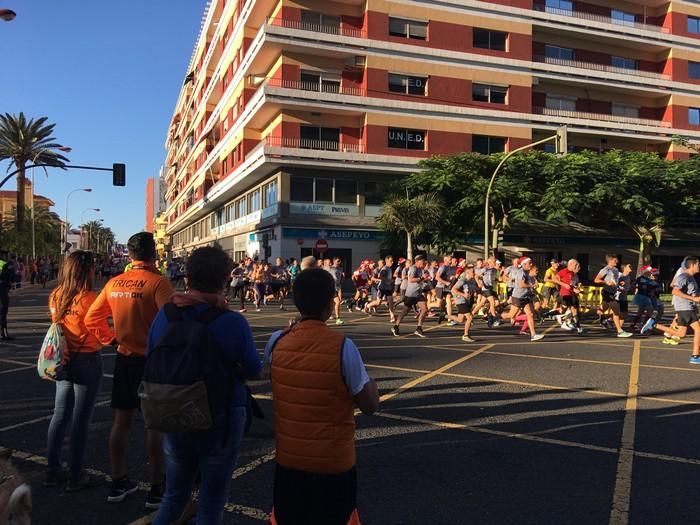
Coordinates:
(65, 238)
(8, 15)
(87, 210)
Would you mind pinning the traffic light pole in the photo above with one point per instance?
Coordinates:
(561, 144)
(116, 168)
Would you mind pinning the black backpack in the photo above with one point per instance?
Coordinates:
(187, 384)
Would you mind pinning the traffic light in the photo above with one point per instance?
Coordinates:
(561, 142)
(118, 174)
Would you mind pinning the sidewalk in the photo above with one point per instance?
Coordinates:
(28, 286)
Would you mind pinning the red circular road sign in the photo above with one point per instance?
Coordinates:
(321, 245)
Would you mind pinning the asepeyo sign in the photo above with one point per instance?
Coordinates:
(302, 208)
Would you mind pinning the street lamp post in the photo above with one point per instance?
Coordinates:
(65, 228)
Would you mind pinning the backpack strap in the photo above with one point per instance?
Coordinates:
(210, 315)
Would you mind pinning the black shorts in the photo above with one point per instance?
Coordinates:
(549, 291)
(412, 301)
(488, 292)
(520, 302)
(608, 297)
(570, 300)
(442, 292)
(128, 372)
(509, 293)
(305, 497)
(624, 306)
(687, 317)
(385, 292)
(464, 308)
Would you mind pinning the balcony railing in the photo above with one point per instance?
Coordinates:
(317, 87)
(598, 67)
(313, 144)
(599, 18)
(555, 112)
(329, 29)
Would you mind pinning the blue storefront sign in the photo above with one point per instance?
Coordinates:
(330, 234)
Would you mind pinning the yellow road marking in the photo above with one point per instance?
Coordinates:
(550, 358)
(430, 375)
(619, 514)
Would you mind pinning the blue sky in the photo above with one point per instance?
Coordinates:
(108, 73)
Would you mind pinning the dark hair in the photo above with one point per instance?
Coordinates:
(313, 291)
(208, 269)
(689, 261)
(75, 277)
(142, 247)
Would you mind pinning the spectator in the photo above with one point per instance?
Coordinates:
(317, 378)
(7, 280)
(75, 397)
(132, 301)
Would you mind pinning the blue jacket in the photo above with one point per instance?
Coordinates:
(232, 333)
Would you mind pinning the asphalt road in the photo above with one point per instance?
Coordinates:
(583, 430)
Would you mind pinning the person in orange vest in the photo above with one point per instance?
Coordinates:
(317, 379)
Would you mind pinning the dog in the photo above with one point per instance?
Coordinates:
(15, 495)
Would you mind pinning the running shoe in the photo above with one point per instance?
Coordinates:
(580, 331)
(537, 337)
(350, 308)
(451, 323)
(431, 315)
(242, 311)
(608, 324)
(568, 326)
(419, 332)
(395, 331)
(496, 322)
(339, 322)
(489, 322)
(468, 339)
(622, 333)
(258, 310)
(559, 319)
(649, 325)
(121, 488)
(281, 307)
(694, 360)
(671, 341)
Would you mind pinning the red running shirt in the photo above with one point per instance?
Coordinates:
(568, 277)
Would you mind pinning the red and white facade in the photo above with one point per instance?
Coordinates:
(294, 115)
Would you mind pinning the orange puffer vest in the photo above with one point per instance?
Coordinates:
(314, 420)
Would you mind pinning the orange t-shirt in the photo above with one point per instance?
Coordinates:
(78, 338)
(132, 301)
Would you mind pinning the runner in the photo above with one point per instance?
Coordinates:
(465, 291)
(487, 278)
(444, 279)
(623, 288)
(279, 280)
(239, 283)
(360, 279)
(384, 279)
(550, 293)
(686, 296)
(414, 297)
(609, 276)
(336, 271)
(523, 296)
(568, 281)
(132, 301)
(509, 275)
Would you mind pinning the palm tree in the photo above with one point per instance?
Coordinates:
(412, 216)
(25, 141)
(47, 230)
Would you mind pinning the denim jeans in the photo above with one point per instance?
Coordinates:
(75, 402)
(205, 454)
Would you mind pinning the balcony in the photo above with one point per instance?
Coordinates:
(555, 112)
(581, 15)
(319, 87)
(599, 67)
(340, 30)
(314, 144)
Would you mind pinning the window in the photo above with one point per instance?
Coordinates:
(624, 63)
(693, 69)
(560, 102)
(324, 190)
(407, 85)
(311, 20)
(622, 17)
(302, 189)
(241, 208)
(486, 39)
(270, 192)
(694, 116)
(315, 81)
(254, 201)
(408, 28)
(486, 145)
(406, 138)
(314, 137)
(693, 25)
(559, 53)
(625, 110)
(486, 93)
(345, 192)
(375, 193)
(559, 5)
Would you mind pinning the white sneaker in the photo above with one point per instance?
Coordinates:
(558, 319)
(537, 337)
(568, 327)
(624, 334)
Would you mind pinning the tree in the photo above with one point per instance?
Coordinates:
(25, 141)
(47, 233)
(412, 216)
(98, 235)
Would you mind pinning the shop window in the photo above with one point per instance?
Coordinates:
(487, 39)
(345, 192)
(487, 145)
(302, 189)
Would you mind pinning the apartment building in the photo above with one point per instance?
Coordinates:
(295, 115)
